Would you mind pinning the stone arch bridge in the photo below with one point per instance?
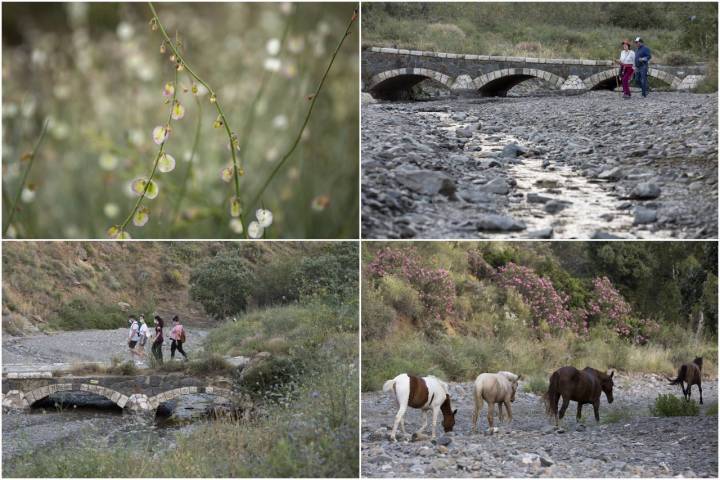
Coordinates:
(387, 72)
(133, 393)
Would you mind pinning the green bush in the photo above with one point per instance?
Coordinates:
(81, 314)
(537, 384)
(667, 405)
(376, 315)
(222, 284)
(401, 296)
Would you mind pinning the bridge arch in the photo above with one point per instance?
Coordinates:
(42, 392)
(177, 392)
(606, 79)
(390, 83)
(498, 82)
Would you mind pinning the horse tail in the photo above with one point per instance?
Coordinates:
(553, 395)
(682, 374)
(387, 386)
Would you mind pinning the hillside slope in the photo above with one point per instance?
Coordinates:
(42, 281)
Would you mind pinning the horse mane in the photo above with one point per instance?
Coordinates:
(509, 375)
(698, 361)
(445, 407)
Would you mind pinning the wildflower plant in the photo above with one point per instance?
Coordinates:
(147, 187)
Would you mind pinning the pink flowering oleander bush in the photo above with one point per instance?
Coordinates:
(547, 305)
(435, 285)
(607, 304)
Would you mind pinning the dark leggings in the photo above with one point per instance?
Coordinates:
(157, 351)
(176, 345)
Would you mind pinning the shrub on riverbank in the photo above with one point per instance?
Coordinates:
(671, 406)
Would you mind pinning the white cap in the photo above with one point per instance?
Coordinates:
(638, 39)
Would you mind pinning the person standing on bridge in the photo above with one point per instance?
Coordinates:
(158, 339)
(177, 338)
(642, 61)
(627, 62)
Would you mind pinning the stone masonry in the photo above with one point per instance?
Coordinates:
(140, 393)
(388, 70)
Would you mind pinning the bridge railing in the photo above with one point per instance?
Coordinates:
(494, 58)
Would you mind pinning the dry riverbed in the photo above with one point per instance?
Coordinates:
(627, 442)
(552, 166)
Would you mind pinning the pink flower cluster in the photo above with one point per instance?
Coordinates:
(538, 293)
(607, 302)
(435, 285)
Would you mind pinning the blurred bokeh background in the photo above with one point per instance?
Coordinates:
(96, 71)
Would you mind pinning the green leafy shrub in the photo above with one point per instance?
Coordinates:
(667, 405)
(81, 314)
(222, 284)
(537, 384)
(400, 294)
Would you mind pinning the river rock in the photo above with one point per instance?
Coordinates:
(504, 223)
(497, 185)
(426, 182)
(611, 174)
(554, 206)
(541, 234)
(513, 150)
(645, 191)
(533, 197)
(644, 215)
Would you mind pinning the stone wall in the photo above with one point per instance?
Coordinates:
(136, 393)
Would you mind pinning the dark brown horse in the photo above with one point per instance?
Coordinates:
(581, 386)
(690, 373)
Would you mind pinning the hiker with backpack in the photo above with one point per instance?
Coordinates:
(133, 336)
(158, 339)
(177, 337)
(143, 333)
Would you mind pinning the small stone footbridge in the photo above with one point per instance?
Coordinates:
(388, 72)
(141, 393)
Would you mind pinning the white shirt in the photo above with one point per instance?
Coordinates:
(627, 57)
(144, 330)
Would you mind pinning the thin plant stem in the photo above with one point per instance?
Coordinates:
(157, 159)
(307, 116)
(181, 60)
(188, 172)
(13, 207)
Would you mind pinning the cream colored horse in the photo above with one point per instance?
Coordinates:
(494, 388)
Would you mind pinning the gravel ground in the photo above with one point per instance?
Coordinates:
(627, 442)
(553, 166)
(43, 351)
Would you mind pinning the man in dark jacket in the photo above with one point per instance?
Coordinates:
(642, 60)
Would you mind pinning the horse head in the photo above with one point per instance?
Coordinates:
(698, 361)
(448, 414)
(513, 379)
(606, 383)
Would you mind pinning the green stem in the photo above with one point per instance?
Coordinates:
(157, 159)
(307, 117)
(13, 207)
(171, 44)
(183, 189)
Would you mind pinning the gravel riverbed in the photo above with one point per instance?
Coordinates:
(627, 442)
(551, 166)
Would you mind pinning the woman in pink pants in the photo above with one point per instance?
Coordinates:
(627, 60)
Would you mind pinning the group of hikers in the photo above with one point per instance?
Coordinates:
(634, 63)
(139, 334)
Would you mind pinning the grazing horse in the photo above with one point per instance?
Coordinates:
(494, 388)
(690, 373)
(425, 393)
(582, 386)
